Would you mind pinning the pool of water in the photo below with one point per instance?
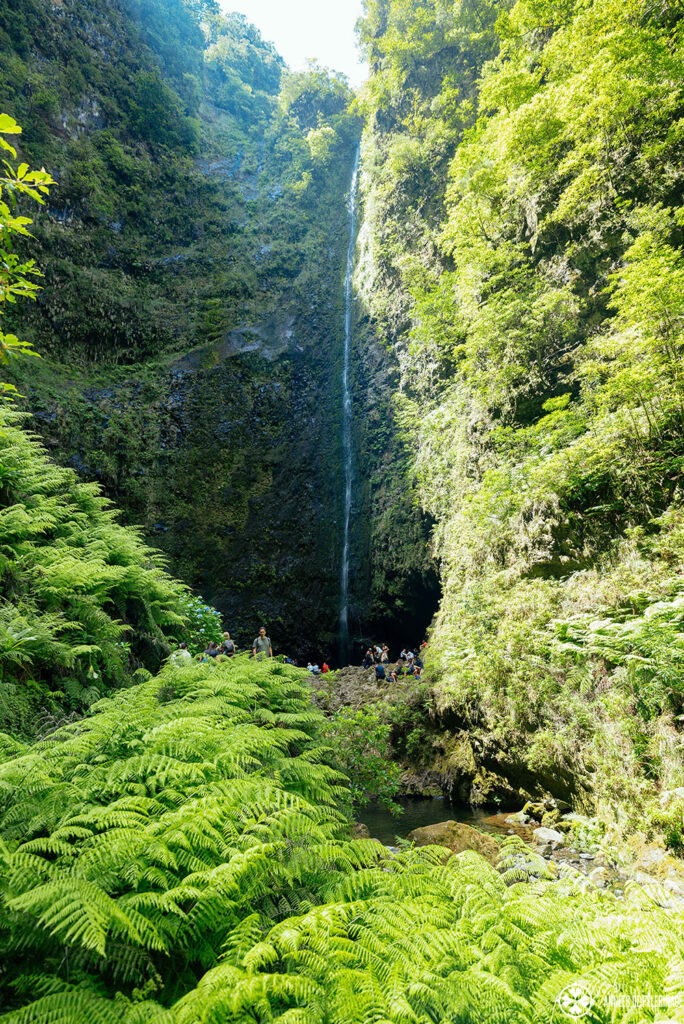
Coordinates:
(418, 812)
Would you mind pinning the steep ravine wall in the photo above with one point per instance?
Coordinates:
(191, 317)
(229, 462)
(396, 588)
(191, 314)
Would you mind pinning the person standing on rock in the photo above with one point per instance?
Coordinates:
(261, 645)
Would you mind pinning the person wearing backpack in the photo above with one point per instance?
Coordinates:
(261, 646)
(228, 646)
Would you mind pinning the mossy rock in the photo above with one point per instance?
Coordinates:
(457, 837)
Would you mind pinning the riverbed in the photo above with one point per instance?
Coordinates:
(417, 812)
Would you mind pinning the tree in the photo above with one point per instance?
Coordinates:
(17, 275)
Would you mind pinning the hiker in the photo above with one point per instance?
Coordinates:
(378, 652)
(228, 646)
(325, 667)
(384, 656)
(261, 645)
(368, 659)
(181, 655)
(213, 650)
(403, 655)
(380, 672)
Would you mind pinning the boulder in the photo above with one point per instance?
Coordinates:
(548, 835)
(549, 818)
(534, 810)
(599, 877)
(654, 858)
(519, 818)
(457, 837)
(360, 831)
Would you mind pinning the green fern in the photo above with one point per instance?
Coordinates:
(184, 862)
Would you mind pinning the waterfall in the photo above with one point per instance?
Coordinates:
(347, 414)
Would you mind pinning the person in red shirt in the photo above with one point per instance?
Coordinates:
(325, 667)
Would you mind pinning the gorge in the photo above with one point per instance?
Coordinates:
(384, 364)
(221, 436)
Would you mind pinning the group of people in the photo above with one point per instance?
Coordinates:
(227, 648)
(318, 670)
(261, 648)
(409, 662)
(378, 653)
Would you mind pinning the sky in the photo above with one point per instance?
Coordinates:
(323, 29)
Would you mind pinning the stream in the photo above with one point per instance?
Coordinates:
(419, 811)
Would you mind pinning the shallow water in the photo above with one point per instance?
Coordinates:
(418, 812)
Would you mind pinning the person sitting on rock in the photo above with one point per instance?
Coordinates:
(380, 671)
(325, 668)
(368, 659)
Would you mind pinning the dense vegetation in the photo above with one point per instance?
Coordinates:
(178, 856)
(84, 601)
(523, 176)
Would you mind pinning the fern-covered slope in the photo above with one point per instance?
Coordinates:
(84, 601)
(178, 857)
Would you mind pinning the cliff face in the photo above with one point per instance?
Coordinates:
(191, 314)
(396, 584)
(522, 184)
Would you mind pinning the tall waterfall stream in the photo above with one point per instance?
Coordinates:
(347, 414)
